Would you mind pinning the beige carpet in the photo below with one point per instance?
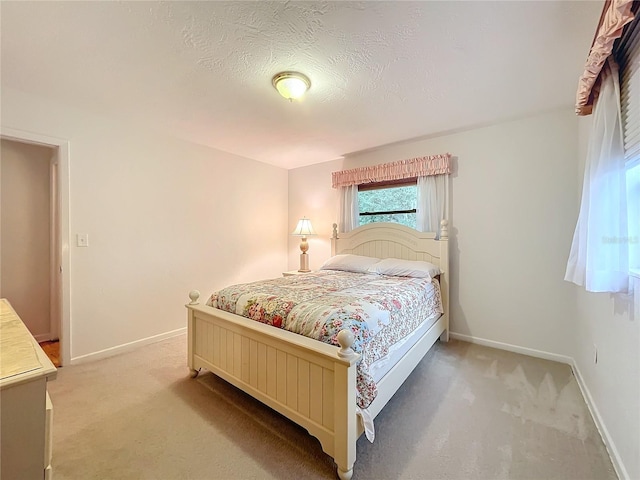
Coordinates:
(467, 412)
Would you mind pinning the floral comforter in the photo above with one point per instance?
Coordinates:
(380, 310)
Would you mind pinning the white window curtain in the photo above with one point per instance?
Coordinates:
(599, 252)
(430, 210)
(349, 210)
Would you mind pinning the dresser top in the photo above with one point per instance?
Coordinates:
(21, 358)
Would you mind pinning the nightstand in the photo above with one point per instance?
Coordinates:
(291, 273)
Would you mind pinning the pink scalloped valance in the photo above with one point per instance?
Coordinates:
(411, 168)
(615, 15)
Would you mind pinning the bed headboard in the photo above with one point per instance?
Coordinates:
(384, 240)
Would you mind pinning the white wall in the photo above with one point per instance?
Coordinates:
(610, 324)
(512, 218)
(163, 216)
(24, 215)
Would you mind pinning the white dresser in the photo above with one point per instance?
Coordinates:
(26, 411)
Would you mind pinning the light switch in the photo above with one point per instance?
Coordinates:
(83, 239)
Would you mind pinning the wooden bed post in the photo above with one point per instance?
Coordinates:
(334, 240)
(444, 279)
(345, 420)
(193, 296)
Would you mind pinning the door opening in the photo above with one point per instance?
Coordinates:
(58, 268)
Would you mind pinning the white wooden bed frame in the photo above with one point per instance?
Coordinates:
(313, 383)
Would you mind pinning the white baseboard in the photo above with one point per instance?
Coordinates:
(109, 352)
(614, 455)
(513, 348)
(43, 337)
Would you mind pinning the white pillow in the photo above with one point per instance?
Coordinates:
(349, 263)
(405, 268)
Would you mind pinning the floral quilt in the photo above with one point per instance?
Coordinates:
(380, 310)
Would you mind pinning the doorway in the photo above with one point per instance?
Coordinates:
(55, 269)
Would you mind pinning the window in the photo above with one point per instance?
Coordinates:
(388, 202)
(628, 57)
(633, 212)
(602, 244)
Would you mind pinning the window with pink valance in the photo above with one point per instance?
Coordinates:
(604, 250)
(615, 15)
(411, 168)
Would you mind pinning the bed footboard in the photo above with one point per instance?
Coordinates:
(311, 383)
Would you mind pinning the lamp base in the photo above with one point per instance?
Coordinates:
(304, 263)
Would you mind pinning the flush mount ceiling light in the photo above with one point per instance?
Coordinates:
(291, 85)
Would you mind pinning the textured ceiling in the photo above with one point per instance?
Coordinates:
(381, 72)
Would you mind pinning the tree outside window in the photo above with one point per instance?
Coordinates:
(392, 203)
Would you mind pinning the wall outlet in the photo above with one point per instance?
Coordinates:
(595, 354)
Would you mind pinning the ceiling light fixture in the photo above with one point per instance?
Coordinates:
(291, 85)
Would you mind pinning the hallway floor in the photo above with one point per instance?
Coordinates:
(52, 349)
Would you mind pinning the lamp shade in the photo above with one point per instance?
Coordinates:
(304, 228)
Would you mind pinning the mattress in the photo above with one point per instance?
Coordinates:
(381, 367)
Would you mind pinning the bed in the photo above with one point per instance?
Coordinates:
(310, 382)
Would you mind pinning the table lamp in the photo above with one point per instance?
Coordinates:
(304, 229)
